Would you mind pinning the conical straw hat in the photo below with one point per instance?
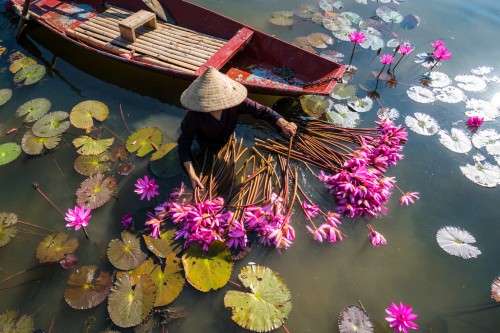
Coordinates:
(213, 91)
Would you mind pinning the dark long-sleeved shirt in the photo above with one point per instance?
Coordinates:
(206, 128)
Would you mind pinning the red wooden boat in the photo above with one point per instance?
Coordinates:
(128, 31)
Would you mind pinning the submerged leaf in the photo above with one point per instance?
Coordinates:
(51, 124)
(207, 271)
(53, 247)
(142, 141)
(126, 254)
(410, 21)
(9, 152)
(482, 173)
(10, 322)
(266, 306)
(353, 319)
(30, 74)
(5, 95)
(456, 241)
(34, 109)
(91, 146)
(315, 105)
(95, 191)
(91, 165)
(7, 228)
(125, 167)
(34, 145)
(332, 55)
(82, 114)
(422, 124)
(282, 18)
(458, 141)
(86, 291)
(303, 44)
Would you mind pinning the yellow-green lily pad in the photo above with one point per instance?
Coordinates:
(34, 145)
(163, 246)
(95, 191)
(128, 306)
(83, 113)
(266, 306)
(282, 18)
(7, 228)
(163, 150)
(93, 164)
(91, 146)
(9, 152)
(126, 254)
(51, 124)
(208, 270)
(315, 105)
(5, 95)
(10, 322)
(86, 291)
(21, 62)
(34, 109)
(53, 247)
(30, 74)
(142, 141)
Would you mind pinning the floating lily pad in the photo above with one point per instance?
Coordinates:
(163, 246)
(387, 113)
(95, 191)
(481, 108)
(373, 39)
(351, 17)
(303, 44)
(421, 95)
(410, 22)
(51, 124)
(53, 247)
(10, 322)
(332, 55)
(3, 49)
(142, 141)
(481, 70)
(167, 166)
(315, 105)
(5, 95)
(163, 150)
(458, 140)
(83, 113)
(207, 270)
(91, 165)
(7, 228)
(484, 137)
(438, 80)
(34, 109)
(128, 306)
(30, 75)
(21, 62)
(34, 145)
(427, 60)
(9, 152)
(422, 124)
(317, 18)
(90, 146)
(320, 40)
(330, 5)
(282, 18)
(353, 319)
(126, 254)
(118, 153)
(335, 23)
(125, 168)
(449, 94)
(343, 116)
(471, 83)
(495, 289)
(360, 104)
(482, 173)
(456, 241)
(85, 290)
(389, 14)
(343, 32)
(266, 306)
(343, 91)
(304, 10)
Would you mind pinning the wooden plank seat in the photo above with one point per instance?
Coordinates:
(128, 25)
(168, 45)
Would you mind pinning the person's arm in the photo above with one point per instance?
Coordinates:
(189, 128)
(263, 112)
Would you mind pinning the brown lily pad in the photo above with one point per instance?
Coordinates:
(85, 290)
(53, 247)
(7, 228)
(126, 254)
(51, 124)
(95, 191)
(90, 146)
(34, 145)
(83, 113)
(91, 165)
(33, 109)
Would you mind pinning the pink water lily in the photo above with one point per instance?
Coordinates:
(437, 44)
(473, 123)
(442, 53)
(154, 225)
(408, 198)
(356, 37)
(146, 188)
(127, 220)
(405, 49)
(376, 239)
(386, 59)
(400, 317)
(310, 210)
(78, 217)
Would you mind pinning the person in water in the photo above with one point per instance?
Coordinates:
(214, 102)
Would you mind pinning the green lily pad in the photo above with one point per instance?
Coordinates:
(9, 152)
(30, 75)
(21, 62)
(81, 115)
(34, 109)
(126, 254)
(53, 247)
(51, 124)
(389, 14)
(91, 165)
(95, 191)
(142, 141)
(305, 10)
(128, 306)
(206, 271)
(118, 153)
(5, 95)
(34, 145)
(315, 105)
(163, 150)
(163, 246)
(7, 229)
(282, 18)
(84, 290)
(266, 306)
(10, 322)
(91, 146)
(343, 91)
(319, 40)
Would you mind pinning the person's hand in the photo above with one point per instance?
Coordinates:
(288, 128)
(195, 182)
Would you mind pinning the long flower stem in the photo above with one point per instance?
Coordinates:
(85, 233)
(36, 186)
(397, 63)
(34, 225)
(123, 117)
(10, 277)
(352, 54)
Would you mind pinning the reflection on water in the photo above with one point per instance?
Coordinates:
(445, 291)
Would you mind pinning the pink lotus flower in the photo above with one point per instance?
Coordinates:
(438, 43)
(400, 317)
(154, 225)
(473, 123)
(357, 37)
(318, 233)
(127, 220)
(78, 217)
(146, 188)
(376, 239)
(237, 236)
(408, 198)
(311, 211)
(405, 49)
(442, 53)
(386, 59)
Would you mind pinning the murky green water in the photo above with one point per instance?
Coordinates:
(445, 291)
